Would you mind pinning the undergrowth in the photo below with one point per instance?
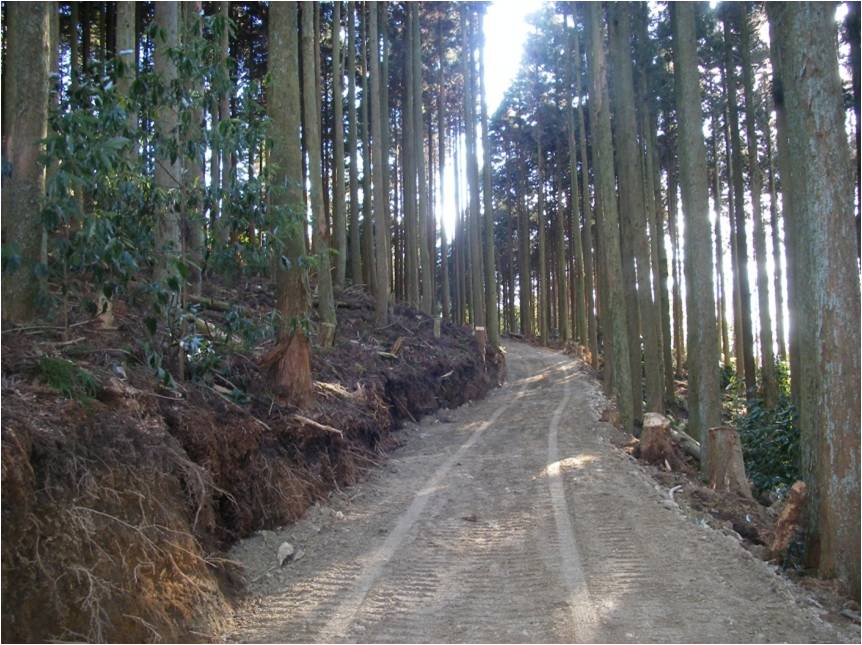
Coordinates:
(770, 439)
(67, 378)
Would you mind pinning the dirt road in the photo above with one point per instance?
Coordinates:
(514, 520)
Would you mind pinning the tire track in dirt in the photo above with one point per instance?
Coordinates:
(344, 613)
(531, 528)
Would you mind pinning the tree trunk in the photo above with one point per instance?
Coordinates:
(423, 207)
(587, 241)
(676, 261)
(168, 173)
(525, 286)
(544, 323)
(441, 161)
(293, 370)
(381, 282)
(474, 215)
(739, 219)
(354, 250)
(818, 199)
(725, 470)
(326, 305)
(631, 192)
(704, 394)
(492, 321)
(768, 374)
(777, 255)
(193, 174)
(25, 124)
(339, 224)
(227, 170)
(614, 305)
(579, 275)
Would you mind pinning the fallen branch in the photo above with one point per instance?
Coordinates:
(318, 426)
(689, 445)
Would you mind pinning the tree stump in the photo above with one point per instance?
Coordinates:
(327, 334)
(655, 445)
(789, 520)
(481, 335)
(438, 326)
(725, 468)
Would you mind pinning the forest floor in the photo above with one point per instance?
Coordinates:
(521, 518)
(121, 491)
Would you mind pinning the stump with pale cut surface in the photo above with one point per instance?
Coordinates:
(725, 467)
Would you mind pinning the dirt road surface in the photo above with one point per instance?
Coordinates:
(514, 519)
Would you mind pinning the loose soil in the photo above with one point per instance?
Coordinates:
(517, 519)
(117, 507)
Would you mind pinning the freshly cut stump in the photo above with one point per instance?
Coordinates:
(725, 468)
(655, 441)
(789, 520)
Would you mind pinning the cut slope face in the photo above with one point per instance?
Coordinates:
(116, 507)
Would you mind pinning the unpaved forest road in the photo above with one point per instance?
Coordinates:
(514, 520)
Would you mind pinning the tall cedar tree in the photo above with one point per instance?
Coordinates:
(818, 198)
(704, 396)
(293, 372)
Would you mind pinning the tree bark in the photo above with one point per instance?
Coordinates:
(354, 250)
(168, 173)
(739, 218)
(818, 200)
(339, 224)
(492, 322)
(381, 282)
(613, 296)
(767, 368)
(631, 193)
(293, 371)
(25, 124)
(704, 394)
(326, 305)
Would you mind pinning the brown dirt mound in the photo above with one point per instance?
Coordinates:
(116, 508)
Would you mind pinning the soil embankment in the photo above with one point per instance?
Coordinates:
(118, 503)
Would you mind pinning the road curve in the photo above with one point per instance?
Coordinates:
(513, 520)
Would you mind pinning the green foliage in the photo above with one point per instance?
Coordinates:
(770, 440)
(102, 207)
(67, 378)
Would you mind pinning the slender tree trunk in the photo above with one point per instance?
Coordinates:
(719, 246)
(525, 282)
(193, 175)
(339, 224)
(777, 255)
(385, 141)
(410, 196)
(381, 292)
(168, 172)
(587, 241)
(423, 208)
(579, 307)
(227, 171)
(768, 374)
(474, 215)
(369, 271)
(354, 250)
(441, 161)
(704, 394)
(543, 321)
(614, 296)
(492, 320)
(326, 306)
(676, 262)
(739, 219)
(293, 373)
